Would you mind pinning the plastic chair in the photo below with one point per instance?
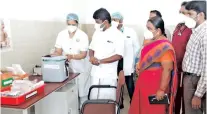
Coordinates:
(105, 106)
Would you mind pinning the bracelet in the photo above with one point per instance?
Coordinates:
(162, 89)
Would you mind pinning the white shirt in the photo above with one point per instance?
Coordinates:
(132, 46)
(73, 46)
(106, 44)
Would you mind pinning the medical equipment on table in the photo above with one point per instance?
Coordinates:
(55, 69)
(18, 93)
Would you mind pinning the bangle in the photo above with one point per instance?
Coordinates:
(162, 89)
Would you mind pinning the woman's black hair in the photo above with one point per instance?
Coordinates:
(158, 24)
(102, 14)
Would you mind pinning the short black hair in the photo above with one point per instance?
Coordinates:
(157, 13)
(102, 14)
(158, 23)
(197, 6)
(184, 3)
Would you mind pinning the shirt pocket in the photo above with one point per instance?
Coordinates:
(109, 47)
(128, 40)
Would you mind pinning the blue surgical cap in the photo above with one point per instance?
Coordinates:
(117, 15)
(72, 16)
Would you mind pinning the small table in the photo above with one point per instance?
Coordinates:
(49, 88)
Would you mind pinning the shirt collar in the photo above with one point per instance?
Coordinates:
(200, 27)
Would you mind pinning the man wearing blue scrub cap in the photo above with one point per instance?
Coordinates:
(131, 48)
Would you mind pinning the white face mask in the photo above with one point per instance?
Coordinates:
(71, 28)
(115, 24)
(99, 27)
(148, 35)
(190, 23)
(181, 18)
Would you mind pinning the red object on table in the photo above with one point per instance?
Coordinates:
(49, 88)
(5, 100)
(6, 88)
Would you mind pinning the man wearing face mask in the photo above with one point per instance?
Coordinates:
(154, 13)
(106, 49)
(180, 39)
(73, 43)
(195, 59)
(131, 49)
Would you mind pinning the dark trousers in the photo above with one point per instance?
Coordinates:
(128, 80)
(130, 86)
(190, 84)
(179, 100)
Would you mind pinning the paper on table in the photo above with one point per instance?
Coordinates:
(18, 69)
(11, 69)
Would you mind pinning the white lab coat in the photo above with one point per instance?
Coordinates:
(132, 47)
(106, 44)
(75, 45)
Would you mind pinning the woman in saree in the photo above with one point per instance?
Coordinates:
(157, 72)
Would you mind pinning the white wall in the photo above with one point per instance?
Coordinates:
(34, 27)
(36, 23)
(134, 11)
(44, 10)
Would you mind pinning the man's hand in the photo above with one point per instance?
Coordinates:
(196, 102)
(53, 54)
(94, 61)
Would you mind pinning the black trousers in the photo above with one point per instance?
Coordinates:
(128, 80)
(130, 85)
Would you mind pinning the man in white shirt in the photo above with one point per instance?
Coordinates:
(106, 48)
(131, 48)
(73, 43)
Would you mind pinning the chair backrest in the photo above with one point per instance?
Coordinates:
(99, 109)
(106, 106)
(120, 86)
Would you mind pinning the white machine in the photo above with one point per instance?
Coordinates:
(63, 101)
